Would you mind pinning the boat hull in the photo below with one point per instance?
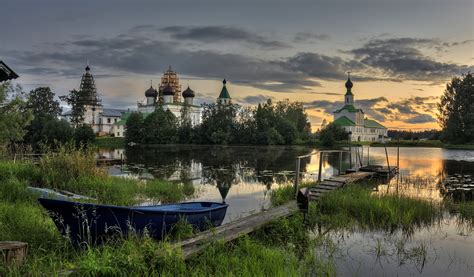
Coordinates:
(84, 222)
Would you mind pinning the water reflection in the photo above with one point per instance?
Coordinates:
(440, 249)
(244, 175)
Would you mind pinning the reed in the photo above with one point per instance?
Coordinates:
(357, 204)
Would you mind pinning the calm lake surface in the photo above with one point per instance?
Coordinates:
(243, 177)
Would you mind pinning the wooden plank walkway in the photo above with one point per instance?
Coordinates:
(333, 183)
(235, 229)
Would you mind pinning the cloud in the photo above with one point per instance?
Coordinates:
(381, 109)
(255, 99)
(322, 66)
(141, 55)
(303, 37)
(402, 58)
(420, 118)
(213, 34)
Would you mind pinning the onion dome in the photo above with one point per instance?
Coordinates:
(168, 90)
(188, 93)
(88, 68)
(151, 92)
(349, 83)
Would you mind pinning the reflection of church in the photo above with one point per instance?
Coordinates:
(169, 97)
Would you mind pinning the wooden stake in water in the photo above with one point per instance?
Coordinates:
(340, 163)
(297, 175)
(320, 166)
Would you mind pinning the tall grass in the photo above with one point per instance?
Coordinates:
(465, 209)
(357, 204)
(68, 165)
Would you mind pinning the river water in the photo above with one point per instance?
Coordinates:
(243, 177)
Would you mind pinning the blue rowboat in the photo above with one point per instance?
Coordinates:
(85, 222)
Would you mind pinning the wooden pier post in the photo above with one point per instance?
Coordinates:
(388, 164)
(340, 163)
(398, 155)
(368, 155)
(297, 175)
(320, 166)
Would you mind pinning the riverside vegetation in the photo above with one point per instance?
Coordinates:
(292, 246)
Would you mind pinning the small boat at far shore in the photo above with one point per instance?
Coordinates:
(86, 222)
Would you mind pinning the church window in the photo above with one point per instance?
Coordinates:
(108, 120)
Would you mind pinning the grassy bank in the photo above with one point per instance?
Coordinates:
(281, 249)
(109, 142)
(284, 253)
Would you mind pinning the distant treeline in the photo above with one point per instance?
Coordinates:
(31, 120)
(414, 135)
(270, 123)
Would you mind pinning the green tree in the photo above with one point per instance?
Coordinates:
(14, 117)
(134, 132)
(54, 132)
(46, 111)
(76, 101)
(219, 124)
(332, 133)
(185, 132)
(456, 110)
(42, 104)
(161, 127)
(84, 135)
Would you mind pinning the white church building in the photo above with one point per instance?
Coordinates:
(354, 121)
(102, 120)
(169, 97)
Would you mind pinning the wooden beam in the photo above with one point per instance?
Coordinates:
(235, 229)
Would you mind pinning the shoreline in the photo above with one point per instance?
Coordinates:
(113, 142)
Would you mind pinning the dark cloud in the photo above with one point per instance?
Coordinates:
(147, 56)
(421, 118)
(402, 58)
(213, 34)
(322, 66)
(255, 99)
(303, 37)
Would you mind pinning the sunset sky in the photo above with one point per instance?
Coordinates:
(401, 53)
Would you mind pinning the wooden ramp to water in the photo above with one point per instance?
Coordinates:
(333, 183)
(235, 229)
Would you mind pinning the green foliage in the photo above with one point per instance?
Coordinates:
(268, 124)
(76, 101)
(456, 110)
(332, 133)
(56, 132)
(219, 123)
(135, 130)
(14, 116)
(465, 209)
(42, 104)
(68, 164)
(282, 195)
(84, 135)
(109, 142)
(160, 126)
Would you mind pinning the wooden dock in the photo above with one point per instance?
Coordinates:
(313, 193)
(235, 229)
